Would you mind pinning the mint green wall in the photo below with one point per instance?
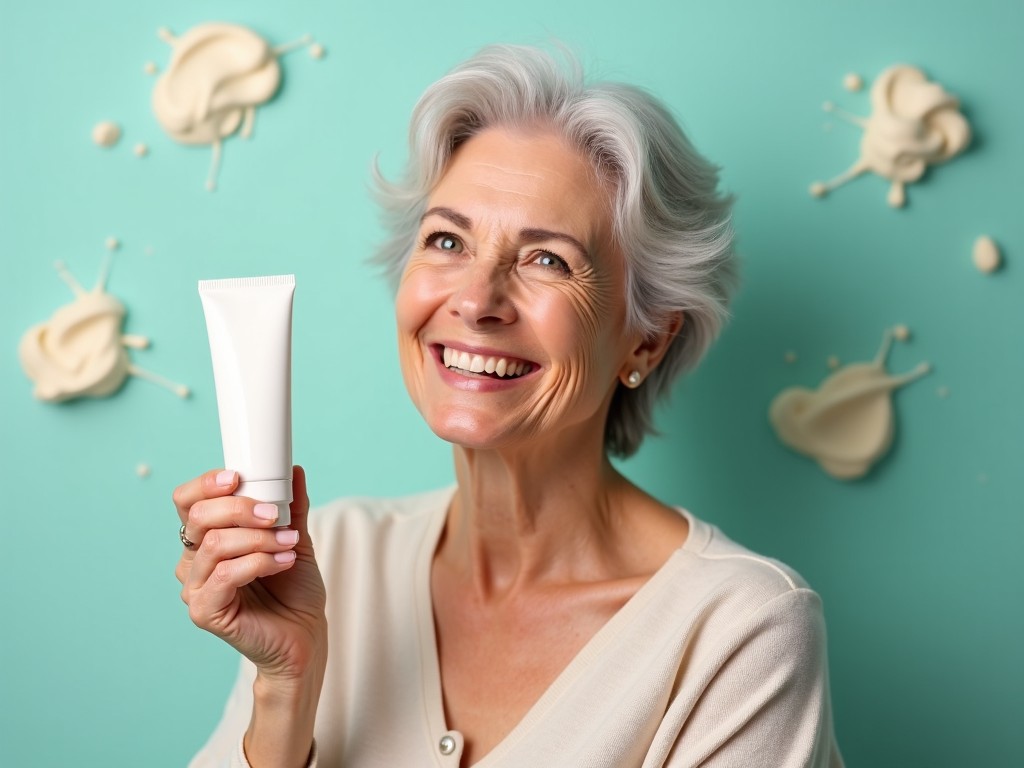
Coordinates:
(918, 564)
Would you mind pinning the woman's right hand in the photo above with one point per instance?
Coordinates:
(255, 586)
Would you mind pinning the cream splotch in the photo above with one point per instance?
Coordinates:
(106, 134)
(217, 77)
(985, 255)
(846, 424)
(914, 123)
(80, 351)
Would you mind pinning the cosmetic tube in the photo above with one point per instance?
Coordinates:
(249, 322)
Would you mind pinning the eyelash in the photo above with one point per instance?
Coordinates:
(562, 265)
(430, 240)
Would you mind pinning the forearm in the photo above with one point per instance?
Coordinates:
(280, 733)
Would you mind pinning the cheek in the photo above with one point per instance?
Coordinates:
(580, 323)
(417, 299)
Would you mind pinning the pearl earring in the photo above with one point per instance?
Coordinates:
(633, 380)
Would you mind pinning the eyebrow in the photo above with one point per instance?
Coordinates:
(530, 233)
(454, 217)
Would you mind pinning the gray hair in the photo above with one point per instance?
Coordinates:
(670, 221)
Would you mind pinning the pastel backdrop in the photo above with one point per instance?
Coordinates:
(919, 564)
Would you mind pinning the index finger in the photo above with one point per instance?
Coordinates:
(209, 485)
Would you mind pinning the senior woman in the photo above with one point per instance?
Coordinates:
(561, 255)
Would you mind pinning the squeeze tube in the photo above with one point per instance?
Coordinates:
(249, 322)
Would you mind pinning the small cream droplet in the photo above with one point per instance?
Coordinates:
(112, 243)
(317, 51)
(901, 332)
(106, 134)
(853, 82)
(140, 150)
(833, 362)
(148, 250)
(790, 357)
(143, 470)
(150, 68)
(942, 392)
(986, 255)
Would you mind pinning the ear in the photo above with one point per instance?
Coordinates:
(650, 350)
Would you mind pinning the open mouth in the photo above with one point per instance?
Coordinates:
(489, 366)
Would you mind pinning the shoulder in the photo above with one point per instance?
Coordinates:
(731, 586)
(707, 544)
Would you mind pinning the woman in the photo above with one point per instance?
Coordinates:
(562, 256)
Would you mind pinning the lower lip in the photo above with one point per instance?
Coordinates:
(476, 383)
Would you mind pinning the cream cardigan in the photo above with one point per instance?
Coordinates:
(718, 660)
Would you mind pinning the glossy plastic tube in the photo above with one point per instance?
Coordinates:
(249, 322)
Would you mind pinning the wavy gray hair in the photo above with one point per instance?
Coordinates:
(671, 223)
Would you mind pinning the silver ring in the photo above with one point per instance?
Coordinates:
(184, 539)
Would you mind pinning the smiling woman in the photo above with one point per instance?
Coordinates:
(516, 263)
(561, 254)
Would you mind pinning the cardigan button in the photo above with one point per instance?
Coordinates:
(446, 745)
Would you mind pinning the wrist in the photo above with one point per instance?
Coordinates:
(280, 732)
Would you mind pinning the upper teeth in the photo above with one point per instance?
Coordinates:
(502, 366)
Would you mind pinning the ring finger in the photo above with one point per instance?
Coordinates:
(220, 544)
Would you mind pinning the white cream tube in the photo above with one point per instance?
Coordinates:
(249, 322)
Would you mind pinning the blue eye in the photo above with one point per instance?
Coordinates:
(548, 259)
(445, 241)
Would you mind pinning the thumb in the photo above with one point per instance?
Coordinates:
(300, 505)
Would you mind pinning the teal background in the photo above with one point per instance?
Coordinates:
(918, 564)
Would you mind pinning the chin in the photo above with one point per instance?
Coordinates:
(466, 430)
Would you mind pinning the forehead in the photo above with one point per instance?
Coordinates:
(531, 176)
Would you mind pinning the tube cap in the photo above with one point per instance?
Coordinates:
(277, 492)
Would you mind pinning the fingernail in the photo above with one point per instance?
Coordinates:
(265, 511)
(225, 478)
(287, 537)
(285, 557)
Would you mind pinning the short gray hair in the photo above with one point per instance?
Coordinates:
(671, 223)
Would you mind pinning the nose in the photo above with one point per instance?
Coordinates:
(481, 295)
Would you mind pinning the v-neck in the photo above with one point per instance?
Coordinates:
(431, 689)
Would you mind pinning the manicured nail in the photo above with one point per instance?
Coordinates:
(285, 557)
(285, 536)
(265, 511)
(225, 478)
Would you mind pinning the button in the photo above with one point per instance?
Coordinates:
(446, 745)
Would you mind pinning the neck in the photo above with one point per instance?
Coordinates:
(542, 513)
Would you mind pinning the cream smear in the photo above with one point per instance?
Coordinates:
(80, 351)
(846, 425)
(914, 123)
(249, 322)
(217, 76)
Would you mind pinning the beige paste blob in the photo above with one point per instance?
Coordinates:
(80, 351)
(986, 255)
(106, 134)
(217, 76)
(846, 424)
(914, 123)
(853, 82)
